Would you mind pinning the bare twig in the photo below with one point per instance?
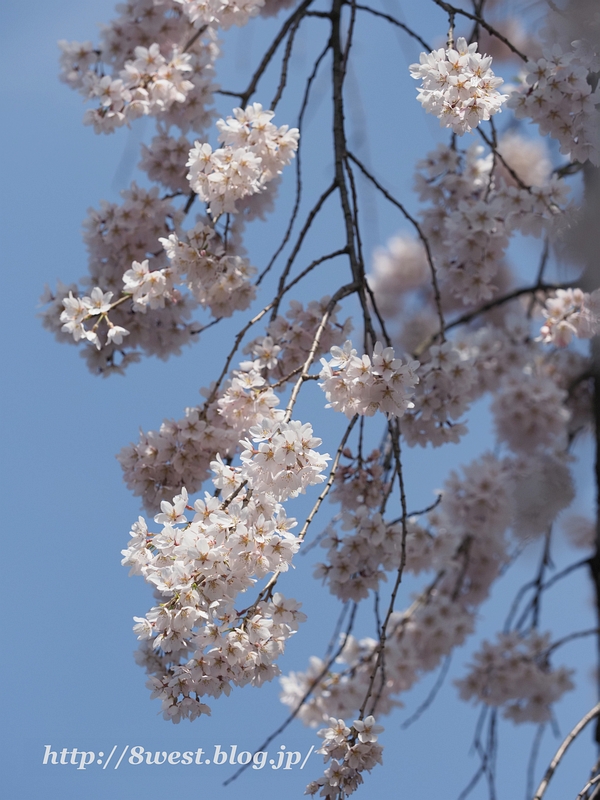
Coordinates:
(568, 741)
(421, 235)
(452, 10)
(396, 22)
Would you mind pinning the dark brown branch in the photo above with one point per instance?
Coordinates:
(430, 697)
(531, 584)
(301, 236)
(394, 429)
(396, 22)
(293, 19)
(294, 214)
(285, 63)
(452, 11)
(421, 235)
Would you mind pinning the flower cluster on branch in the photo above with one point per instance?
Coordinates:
(451, 313)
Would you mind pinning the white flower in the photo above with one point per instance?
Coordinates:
(356, 385)
(458, 86)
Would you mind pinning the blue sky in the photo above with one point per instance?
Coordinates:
(68, 674)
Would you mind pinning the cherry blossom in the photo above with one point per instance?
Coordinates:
(455, 319)
(458, 86)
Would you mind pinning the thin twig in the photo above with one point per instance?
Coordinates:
(285, 63)
(568, 741)
(303, 108)
(421, 235)
(431, 696)
(533, 756)
(451, 10)
(396, 22)
(290, 21)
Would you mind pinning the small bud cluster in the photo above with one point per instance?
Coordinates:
(458, 86)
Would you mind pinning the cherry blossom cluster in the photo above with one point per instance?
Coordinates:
(351, 751)
(147, 84)
(496, 351)
(216, 278)
(474, 210)
(397, 268)
(362, 482)
(179, 453)
(543, 487)
(95, 307)
(290, 338)
(580, 530)
(248, 399)
(515, 674)
(148, 288)
(524, 376)
(212, 626)
(557, 96)
(285, 462)
(164, 159)
(441, 397)
(199, 567)
(366, 385)
(416, 643)
(254, 152)
(485, 196)
(529, 412)
(570, 371)
(223, 13)
(117, 235)
(458, 86)
(449, 181)
(145, 64)
(122, 241)
(466, 546)
(570, 312)
(358, 562)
